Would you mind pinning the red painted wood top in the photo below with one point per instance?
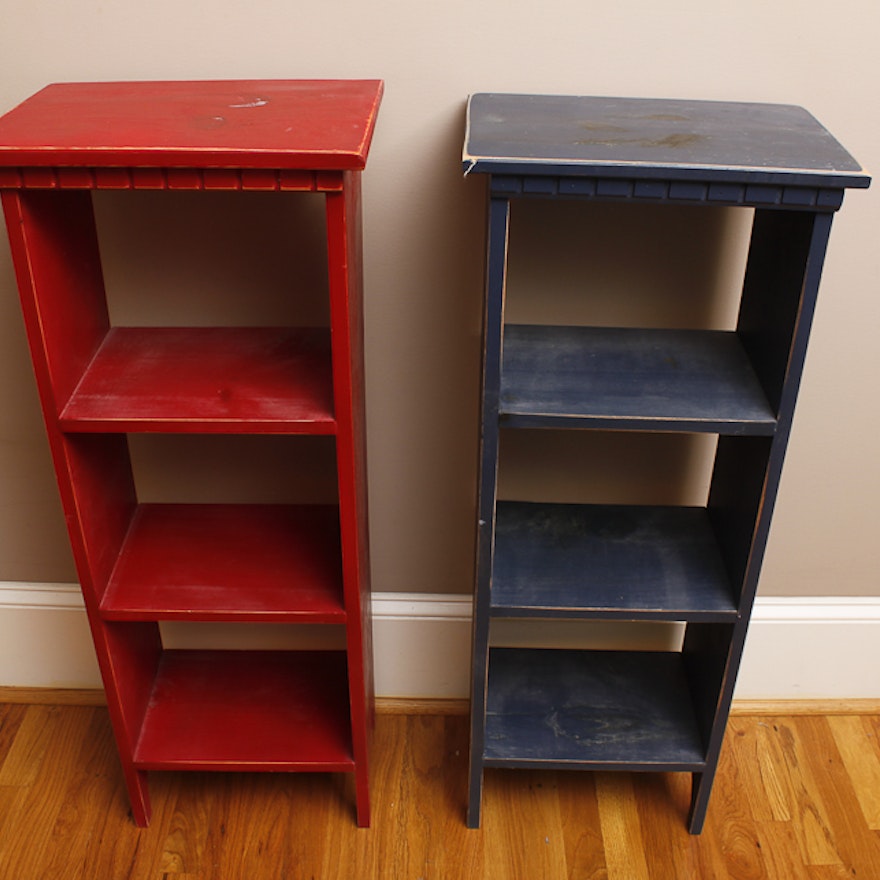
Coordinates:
(279, 124)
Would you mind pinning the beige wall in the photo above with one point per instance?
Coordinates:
(424, 243)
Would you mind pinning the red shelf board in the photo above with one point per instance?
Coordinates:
(279, 124)
(207, 379)
(236, 562)
(248, 710)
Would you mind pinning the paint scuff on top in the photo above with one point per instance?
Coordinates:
(256, 102)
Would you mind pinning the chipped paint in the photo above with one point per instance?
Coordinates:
(673, 141)
(667, 117)
(602, 126)
(257, 102)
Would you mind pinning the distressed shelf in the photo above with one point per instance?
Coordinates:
(697, 566)
(141, 561)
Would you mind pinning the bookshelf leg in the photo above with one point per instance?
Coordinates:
(362, 796)
(475, 797)
(702, 788)
(139, 795)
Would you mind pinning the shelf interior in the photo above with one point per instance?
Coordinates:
(631, 378)
(613, 709)
(247, 710)
(574, 560)
(196, 379)
(244, 562)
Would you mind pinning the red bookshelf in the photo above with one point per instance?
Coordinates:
(141, 562)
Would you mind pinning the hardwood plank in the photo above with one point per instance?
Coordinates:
(828, 872)
(581, 830)
(670, 850)
(184, 845)
(251, 838)
(621, 828)
(11, 718)
(113, 850)
(780, 851)
(26, 754)
(730, 830)
(405, 848)
(708, 855)
(343, 845)
(859, 849)
(761, 769)
(815, 837)
(407, 852)
(521, 825)
(437, 771)
(70, 817)
(856, 739)
(93, 789)
(12, 803)
(57, 739)
(320, 806)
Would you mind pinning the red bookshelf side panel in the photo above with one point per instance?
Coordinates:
(229, 562)
(206, 379)
(248, 710)
(54, 248)
(99, 497)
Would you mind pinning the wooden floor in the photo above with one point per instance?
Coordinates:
(796, 797)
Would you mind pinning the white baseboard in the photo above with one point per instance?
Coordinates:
(805, 648)
(798, 648)
(44, 637)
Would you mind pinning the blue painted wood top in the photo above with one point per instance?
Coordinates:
(654, 138)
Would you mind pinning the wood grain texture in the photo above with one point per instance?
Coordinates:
(627, 378)
(206, 379)
(604, 709)
(619, 820)
(652, 562)
(787, 805)
(229, 562)
(857, 740)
